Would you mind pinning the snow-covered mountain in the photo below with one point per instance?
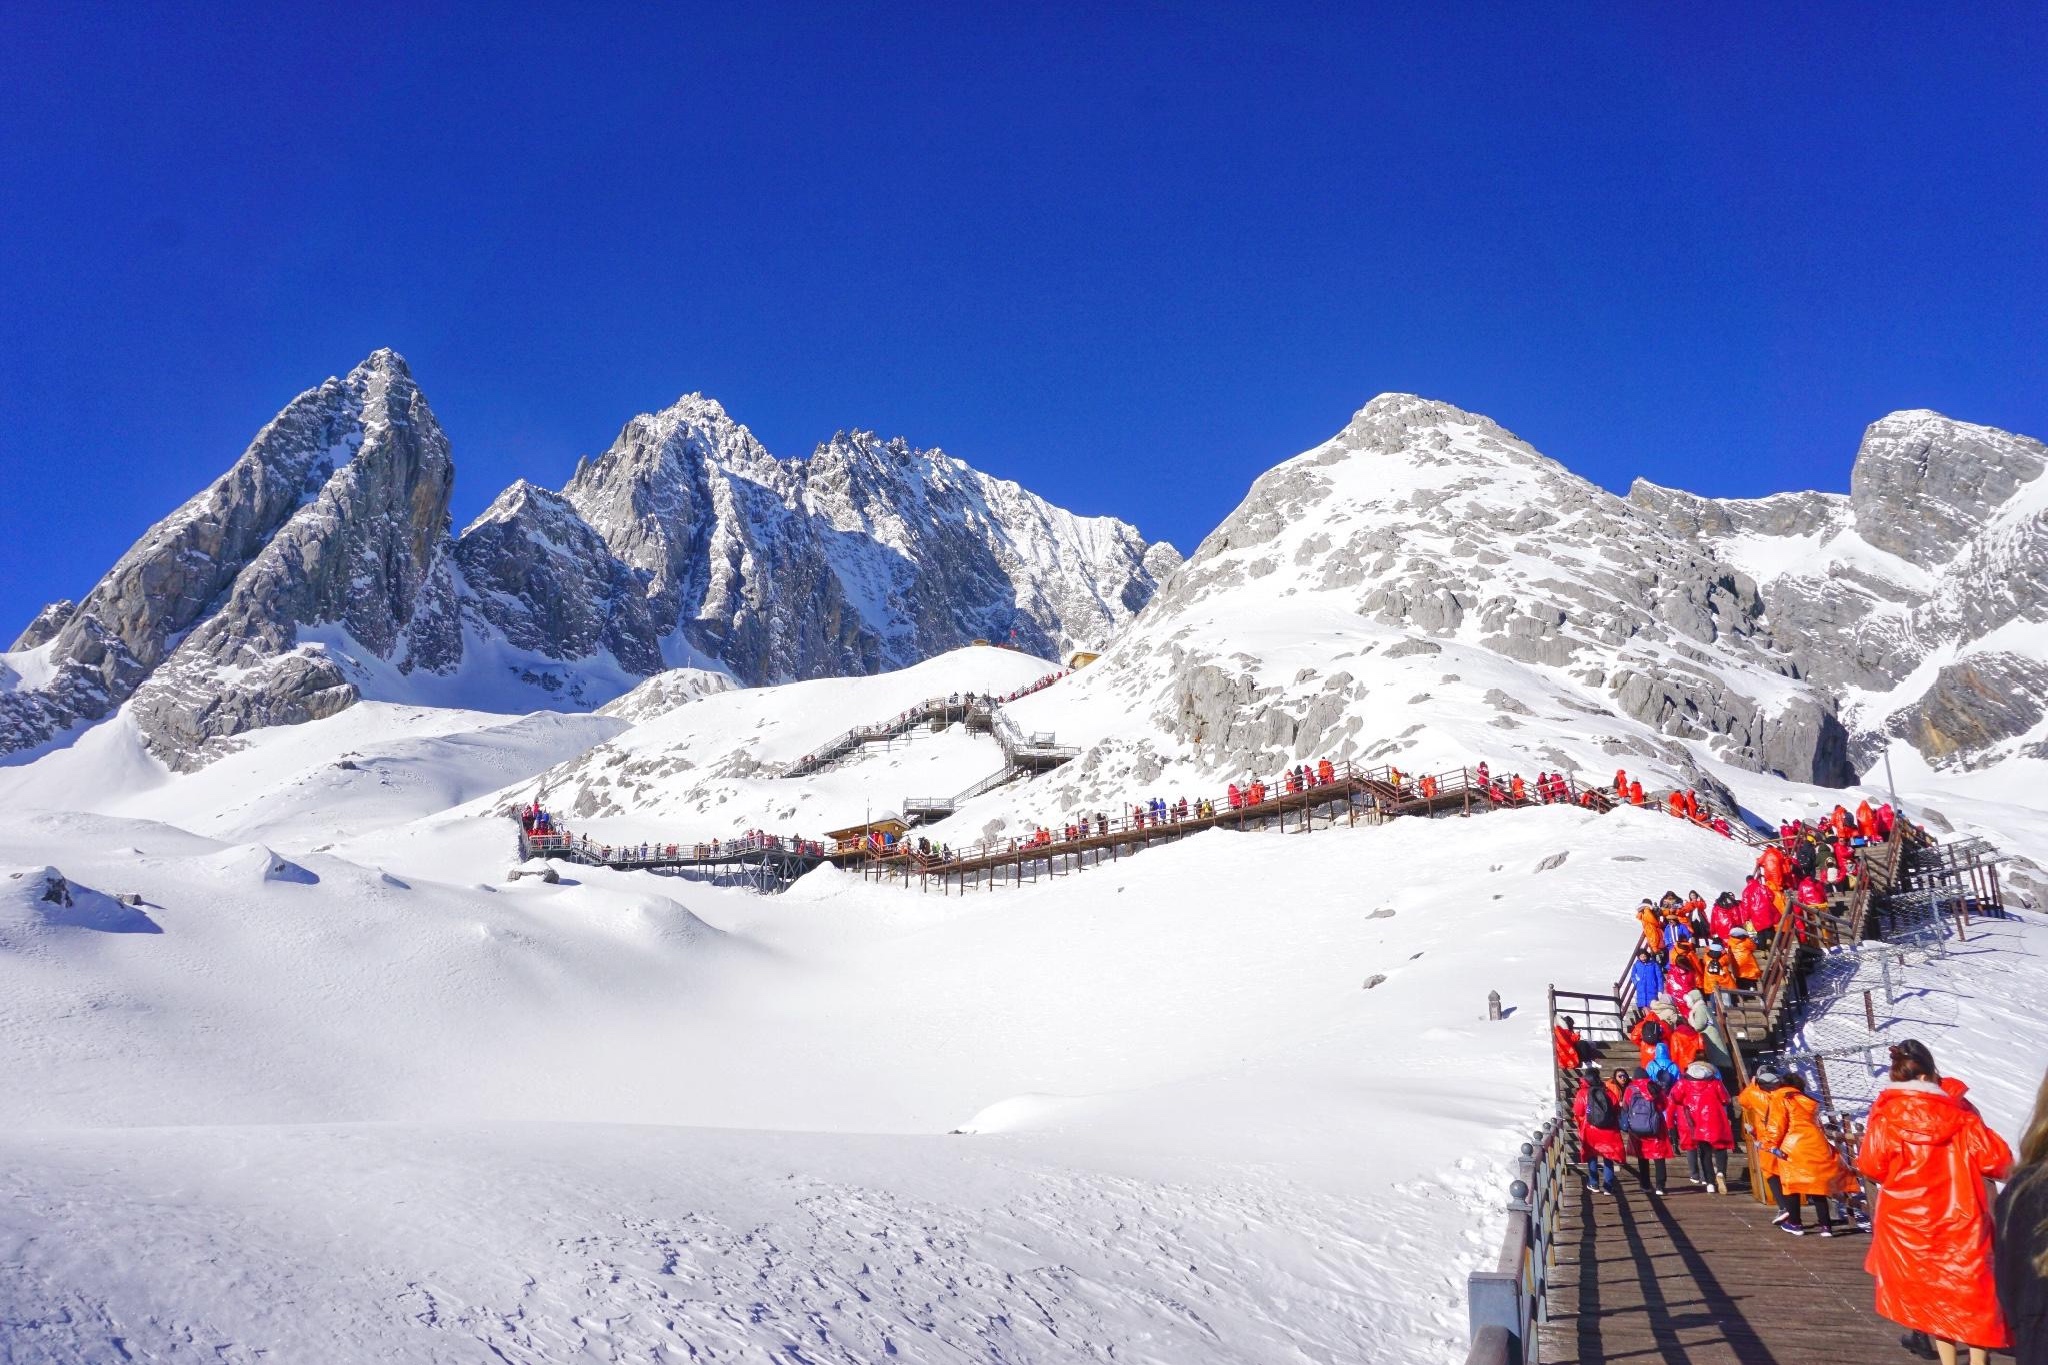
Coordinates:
(1919, 601)
(897, 553)
(1422, 588)
(334, 521)
(294, 1063)
(319, 570)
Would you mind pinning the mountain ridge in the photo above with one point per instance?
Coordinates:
(321, 568)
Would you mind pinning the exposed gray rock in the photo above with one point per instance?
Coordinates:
(897, 553)
(1974, 704)
(181, 567)
(536, 573)
(365, 560)
(1939, 544)
(1922, 485)
(47, 623)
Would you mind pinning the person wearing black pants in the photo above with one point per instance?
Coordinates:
(1788, 1210)
(1709, 1164)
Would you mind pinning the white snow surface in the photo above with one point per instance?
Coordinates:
(336, 1089)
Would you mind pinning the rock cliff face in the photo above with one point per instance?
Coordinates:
(363, 565)
(319, 570)
(44, 628)
(896, 553)
(1918, 600)
(188, 565)
(1426, 590)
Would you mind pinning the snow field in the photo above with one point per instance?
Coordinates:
(1233, 1150)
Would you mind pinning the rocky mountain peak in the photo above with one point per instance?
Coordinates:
(1923, 483)
(362, 562)
(1424, 518)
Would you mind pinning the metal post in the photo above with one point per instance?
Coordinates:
(1869, 1011)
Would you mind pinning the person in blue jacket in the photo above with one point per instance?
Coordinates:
(1646, 977)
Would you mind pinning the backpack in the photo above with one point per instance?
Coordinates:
(1599, 1107)
(1639, 1114)
(1653, 1031)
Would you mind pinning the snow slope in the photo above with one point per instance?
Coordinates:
(1212, 1118)
(336, 1089)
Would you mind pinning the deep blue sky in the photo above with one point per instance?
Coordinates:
(1130, 258)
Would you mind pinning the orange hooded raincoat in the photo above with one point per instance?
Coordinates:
(1930, 1246)
(1810, 1164)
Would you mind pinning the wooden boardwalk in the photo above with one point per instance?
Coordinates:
(1702, 1279)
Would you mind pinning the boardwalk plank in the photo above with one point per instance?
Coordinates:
(1699, 1279)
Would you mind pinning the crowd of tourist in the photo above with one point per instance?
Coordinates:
(1961, 1274)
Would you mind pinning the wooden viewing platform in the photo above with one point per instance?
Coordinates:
(1704, 1279)
(1697, 1278)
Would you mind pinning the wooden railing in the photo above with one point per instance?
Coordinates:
(1506, 1304)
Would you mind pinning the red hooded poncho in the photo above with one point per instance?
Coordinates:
(1697, 1110)
(1930, 1242)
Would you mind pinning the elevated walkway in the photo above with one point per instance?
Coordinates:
(1698, 1277)
(979, 713)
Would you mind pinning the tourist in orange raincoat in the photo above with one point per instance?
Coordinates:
(1934, 1157)
(1807, 1164)
(1653, 927)
(1620, 785)
(1775, 867)
(1742, 956)
(1635, 793)
(1754, 1103)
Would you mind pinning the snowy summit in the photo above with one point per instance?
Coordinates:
(743, 907)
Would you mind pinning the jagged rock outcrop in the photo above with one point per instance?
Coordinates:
(1940, 548)
(319, 569)
(363, 565)
(1975, 704)
(45, 626)
(896, 553)
(181, 568)
(533, 571)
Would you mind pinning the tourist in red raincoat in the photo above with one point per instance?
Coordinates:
(1933, 1158)
(1565, 1043)
(1597, 1110)
(1642, 1105)
(1697, 1110)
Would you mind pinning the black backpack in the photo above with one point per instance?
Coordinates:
(1653, 1031)
(1600, 1108)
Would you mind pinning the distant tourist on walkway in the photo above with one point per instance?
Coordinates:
(2022, 1260)
(1933, 1156)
